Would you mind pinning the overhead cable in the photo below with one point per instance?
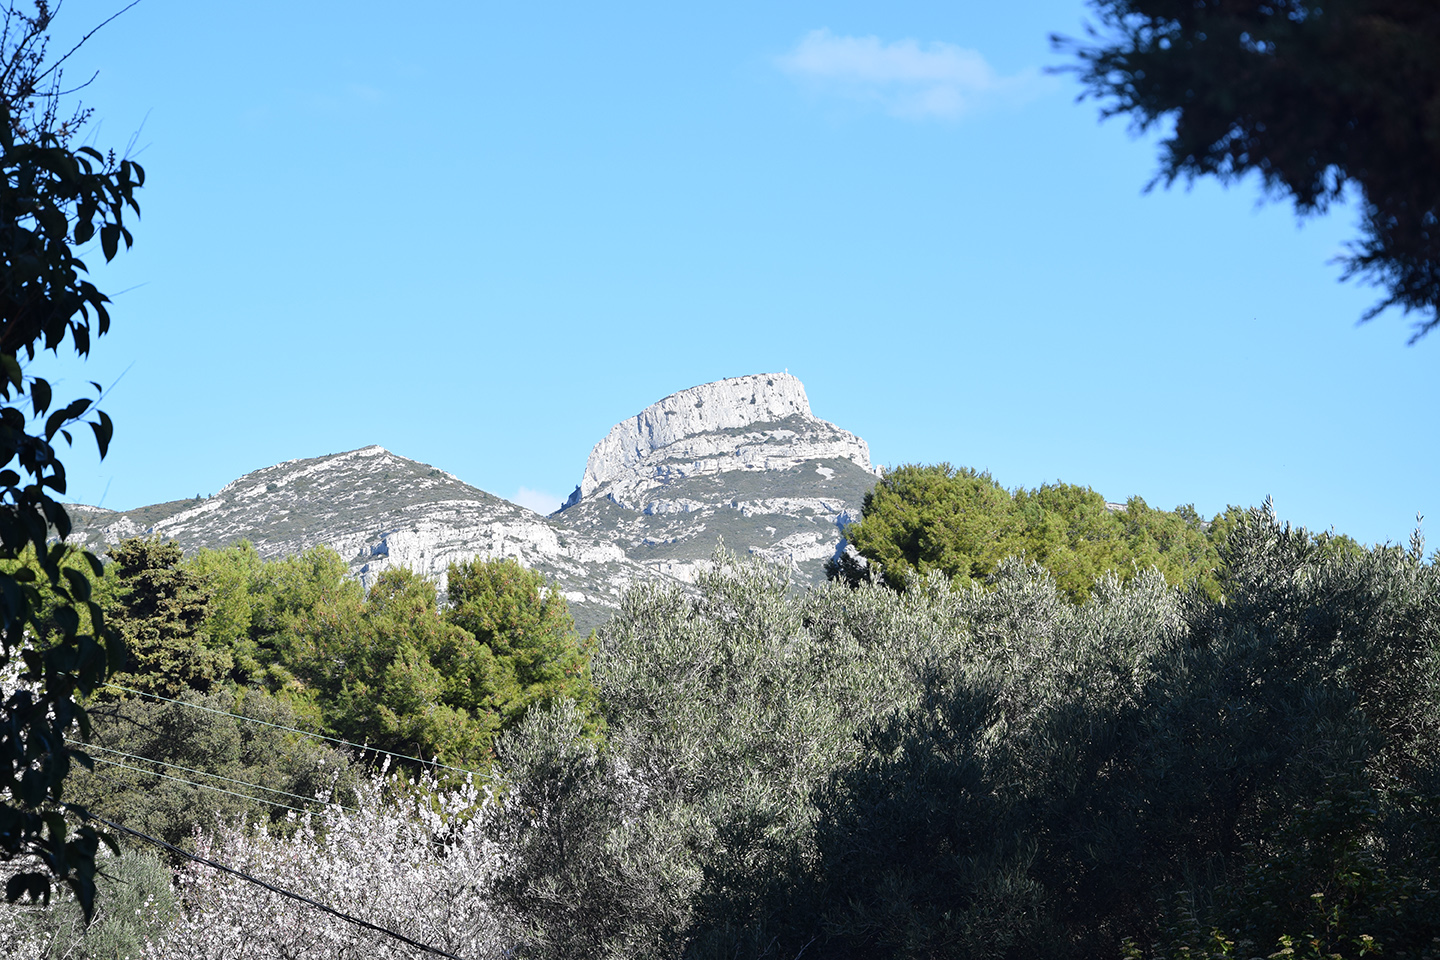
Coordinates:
(204, 773)
(304, 733)
(202, 786)
(283, 892)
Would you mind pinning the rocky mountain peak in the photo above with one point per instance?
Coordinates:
(740, 461)
(724, 404)
(759, 422)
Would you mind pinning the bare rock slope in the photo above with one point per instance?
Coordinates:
(741, 460)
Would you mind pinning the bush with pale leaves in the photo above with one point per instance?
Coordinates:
(412, 859)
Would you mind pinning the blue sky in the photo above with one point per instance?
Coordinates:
(481, 234)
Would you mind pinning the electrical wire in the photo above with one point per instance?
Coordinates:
(305, 733)
(283, 892)
(203, 773)
(202, 786)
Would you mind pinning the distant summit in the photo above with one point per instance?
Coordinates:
(377, 510)
(741, 460)
(739, 423)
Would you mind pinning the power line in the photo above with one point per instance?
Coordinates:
(203, 773)
(284, 893)
(202, 786)
(304, 733)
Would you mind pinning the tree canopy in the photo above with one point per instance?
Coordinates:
(997, 773)
(845, 772)
(395, 668)
(159, 609)
(961, 523)
(526, 626)
(1312, 97)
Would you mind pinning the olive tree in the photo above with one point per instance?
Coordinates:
(993, 770)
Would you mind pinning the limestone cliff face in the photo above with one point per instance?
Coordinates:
(741, 461)
(706, 409)
(759, 422)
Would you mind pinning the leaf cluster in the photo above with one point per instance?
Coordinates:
(961, 523)
(160, 609)
(54, 198)
(1311, 97)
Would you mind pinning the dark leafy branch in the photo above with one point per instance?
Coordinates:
(55, 198)
(1314, 98)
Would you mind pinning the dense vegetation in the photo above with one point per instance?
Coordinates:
(394, 668)
(960, 768)
(956, 771)
(962, 523)
(1041, 728)
(228, 654)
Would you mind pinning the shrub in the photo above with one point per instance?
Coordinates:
(202, 745)
(134, 905)
(412, 860)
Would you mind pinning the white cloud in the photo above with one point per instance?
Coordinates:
(907, 78)
(537, 500)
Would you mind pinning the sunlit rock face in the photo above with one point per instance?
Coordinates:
(740, 461)
(741, 423)
(379, 510)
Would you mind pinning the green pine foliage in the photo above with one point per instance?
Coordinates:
(392, 672)
(269, 613)
(395, 669)
(525, 627)
(398, 668)
(49, 622)
(160, 610)
(962, 523)
(918, 519)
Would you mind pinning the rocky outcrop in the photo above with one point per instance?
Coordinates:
(755, 423)
(741, 461)
(379, 510)
(760, 422)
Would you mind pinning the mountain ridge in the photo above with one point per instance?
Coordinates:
(741, 460)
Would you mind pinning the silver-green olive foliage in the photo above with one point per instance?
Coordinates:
(993, 771)
(55, 197)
